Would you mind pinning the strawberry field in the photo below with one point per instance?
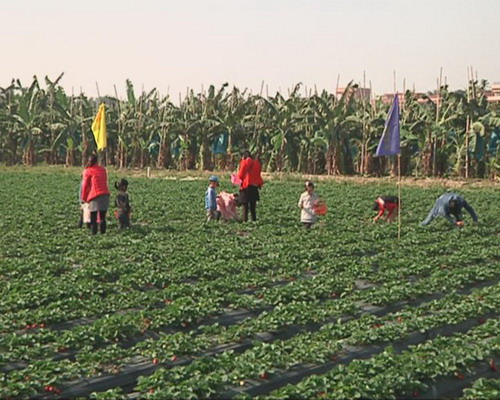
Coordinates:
(177, 308)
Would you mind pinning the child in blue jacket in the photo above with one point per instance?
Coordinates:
(211, 199)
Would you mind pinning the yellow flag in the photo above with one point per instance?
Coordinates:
(99, 128)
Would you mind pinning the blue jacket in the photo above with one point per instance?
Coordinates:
(441, 209)
(211, 199)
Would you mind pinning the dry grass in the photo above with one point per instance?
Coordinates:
(451, 183)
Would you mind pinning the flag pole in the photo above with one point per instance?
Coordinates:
(399, 168)
(399, 196)
(100, 153)
(389, 145)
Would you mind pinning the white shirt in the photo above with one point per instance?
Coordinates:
(306, 203)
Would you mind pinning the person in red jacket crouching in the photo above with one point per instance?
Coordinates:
(251, 182)
(95, 192)
(386, 203)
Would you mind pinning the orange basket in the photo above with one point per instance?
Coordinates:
(320, 208)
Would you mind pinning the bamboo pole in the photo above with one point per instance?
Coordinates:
(438, 108)
(399, 196)
(337, 87)
(257, 112)
(404, 94)
(438, 101)
(98, 94)
(391, 159)
(101, 154)
(82, 130)
(139, 126)
(164, 133)
(372, 100)
(363, 146)
(467, 127)
(121, 149)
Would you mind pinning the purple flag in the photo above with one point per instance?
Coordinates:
(389, 142)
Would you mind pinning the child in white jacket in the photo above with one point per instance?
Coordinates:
(307, 202)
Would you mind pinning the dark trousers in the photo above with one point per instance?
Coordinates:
(252, 205)
(80, 222)
(124, 220)
(93, 221)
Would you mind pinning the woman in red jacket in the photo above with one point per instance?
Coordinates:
(251, 182)
(95, 192)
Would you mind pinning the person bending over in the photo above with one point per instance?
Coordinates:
(449, 206)
(95, 192)
(389, 204)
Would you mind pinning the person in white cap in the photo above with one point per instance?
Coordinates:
(211, 199)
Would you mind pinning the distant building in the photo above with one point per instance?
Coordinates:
(359, 93)
(432, 97)
(493, 95)
(388, 98)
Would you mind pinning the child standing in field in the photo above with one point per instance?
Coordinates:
(211, 199)
(122, 203)
(307, 203)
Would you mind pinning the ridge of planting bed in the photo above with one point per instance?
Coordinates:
(299, 372)
(145, 367)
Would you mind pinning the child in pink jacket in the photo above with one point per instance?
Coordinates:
(227, 206)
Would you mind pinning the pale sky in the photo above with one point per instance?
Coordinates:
(172, 45)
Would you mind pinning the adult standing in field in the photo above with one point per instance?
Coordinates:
(251, 181)
(449, 206)
(95, 192)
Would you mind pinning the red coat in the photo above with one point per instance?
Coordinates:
(95, 183)
(249, 173)
(386, 205)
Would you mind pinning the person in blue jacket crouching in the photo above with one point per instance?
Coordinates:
(449, 206)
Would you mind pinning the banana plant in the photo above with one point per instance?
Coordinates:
(337, 126)
(26, 115)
